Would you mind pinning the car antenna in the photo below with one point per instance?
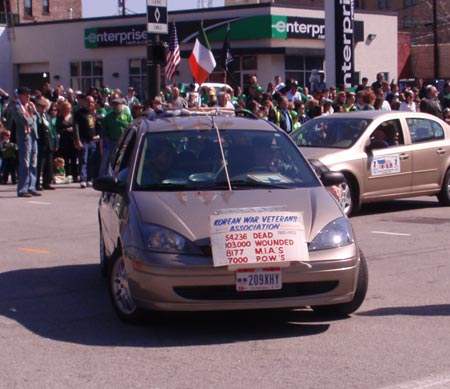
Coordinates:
(214, 127)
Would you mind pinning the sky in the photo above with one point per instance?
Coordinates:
(96, 8)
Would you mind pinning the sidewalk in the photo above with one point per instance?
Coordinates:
(9, 190)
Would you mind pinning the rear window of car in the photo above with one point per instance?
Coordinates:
(332, 132)
(423, 130)
(193, 159)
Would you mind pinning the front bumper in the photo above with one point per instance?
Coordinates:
(176, 283)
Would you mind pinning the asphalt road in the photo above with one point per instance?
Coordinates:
(58, 330)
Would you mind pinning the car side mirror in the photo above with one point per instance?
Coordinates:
(331, 178)
(108, 184)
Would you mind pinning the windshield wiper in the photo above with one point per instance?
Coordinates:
(240, 184)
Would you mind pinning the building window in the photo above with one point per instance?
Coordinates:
(28, 8)
(86, 74)
(384, 4)
(45, 7)
(406, 3)
(249, 67)
(137, 69)
(406, 23)
(299, 68)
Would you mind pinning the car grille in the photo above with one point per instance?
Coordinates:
(228, 292)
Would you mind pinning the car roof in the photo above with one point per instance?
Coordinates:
(205, 122)
(217, 85)
(375, 114)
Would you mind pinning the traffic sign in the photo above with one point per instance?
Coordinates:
(157, 17)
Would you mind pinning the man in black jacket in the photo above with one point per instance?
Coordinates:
(86, 137)
(430, 103)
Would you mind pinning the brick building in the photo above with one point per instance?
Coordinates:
(417, 19)
(32, 11)
(265, 40)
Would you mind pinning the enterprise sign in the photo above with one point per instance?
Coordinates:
(115, 36)
(292, 27)
(247, 28)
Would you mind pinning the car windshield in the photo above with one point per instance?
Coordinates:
(192, 160)
(332, 131)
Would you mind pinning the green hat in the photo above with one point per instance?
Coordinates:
(294, 114)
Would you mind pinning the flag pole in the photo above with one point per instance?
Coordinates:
(225, 53)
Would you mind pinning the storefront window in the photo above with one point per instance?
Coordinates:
(138, 76)
(249, 62)
(299, 67)
(86, 74)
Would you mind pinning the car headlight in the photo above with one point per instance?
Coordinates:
(336, 234)
(162, 239)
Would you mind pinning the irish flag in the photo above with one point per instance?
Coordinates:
(201, 61)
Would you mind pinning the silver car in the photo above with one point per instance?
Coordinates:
(383, 155)
(211, 212)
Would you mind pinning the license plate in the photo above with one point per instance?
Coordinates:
(258, 279)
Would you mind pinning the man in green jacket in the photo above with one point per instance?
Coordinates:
(114, 125)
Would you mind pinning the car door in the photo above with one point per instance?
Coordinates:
(388, 170)
(430, 152)
(111, 203)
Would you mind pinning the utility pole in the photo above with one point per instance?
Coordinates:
(122, 7)
(156, 24)
(436, 41)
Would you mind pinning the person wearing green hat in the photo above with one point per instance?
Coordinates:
(295, 123)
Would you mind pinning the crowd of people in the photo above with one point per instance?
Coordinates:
(57, 135)
(53, 136)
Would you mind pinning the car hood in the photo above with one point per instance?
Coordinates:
(188, 212)
(320, 152)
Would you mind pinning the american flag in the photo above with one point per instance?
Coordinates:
(173, 54)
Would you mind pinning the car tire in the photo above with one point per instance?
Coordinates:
(349, 201)
(120, 293)
(345, 309)
(444, 194)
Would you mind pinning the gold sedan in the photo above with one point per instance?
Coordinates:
(383, 155)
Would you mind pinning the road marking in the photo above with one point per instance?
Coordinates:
(439, 382)
(35, 251)
(389, 233)
(39, 202)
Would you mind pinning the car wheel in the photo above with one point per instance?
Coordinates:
(346, 309)
(119, 292)
(103, 256)
(349, 200)
(444, 194)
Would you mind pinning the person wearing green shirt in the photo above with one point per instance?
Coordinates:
(113, 125)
